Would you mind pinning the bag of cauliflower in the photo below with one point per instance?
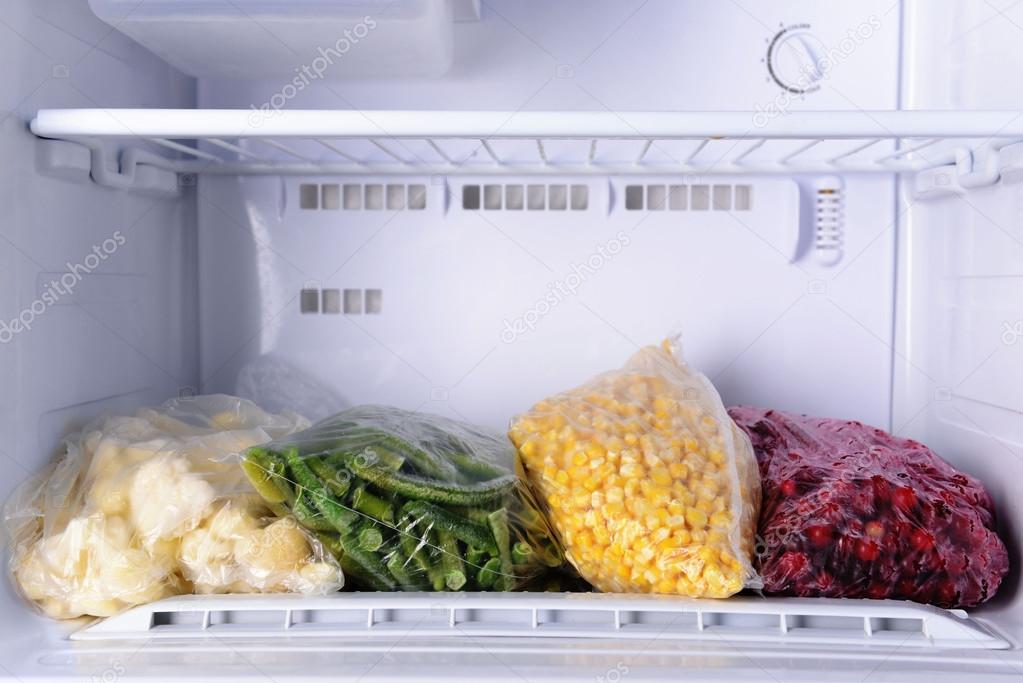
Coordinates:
(153, 505)
(648, 483)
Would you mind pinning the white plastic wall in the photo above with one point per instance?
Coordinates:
(120, 330)
(765, 319)
(959, 351)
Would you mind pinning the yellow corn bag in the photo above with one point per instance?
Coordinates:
(646, 480)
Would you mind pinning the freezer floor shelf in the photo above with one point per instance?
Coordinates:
(550, 615)
(567, 143)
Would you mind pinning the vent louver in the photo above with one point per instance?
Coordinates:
(361, 197)
(793, 621)
(694, 197)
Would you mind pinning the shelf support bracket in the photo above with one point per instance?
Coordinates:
(132, 169)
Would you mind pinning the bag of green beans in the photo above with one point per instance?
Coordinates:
(409, 501)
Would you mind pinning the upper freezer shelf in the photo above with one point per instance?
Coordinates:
(978, 147)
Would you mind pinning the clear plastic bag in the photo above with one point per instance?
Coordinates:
(149, 506)
(851, 511)
(409, 501)
(648, 483)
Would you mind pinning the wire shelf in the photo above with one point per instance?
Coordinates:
(566, 143)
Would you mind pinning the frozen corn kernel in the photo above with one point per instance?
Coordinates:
(639, 477)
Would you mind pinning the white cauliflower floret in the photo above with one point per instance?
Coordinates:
(167, 499)
(92, 568)
(279, 558)
(207, 552)
(230, 552)
(113, 470)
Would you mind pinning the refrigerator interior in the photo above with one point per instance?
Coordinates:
(302, 279)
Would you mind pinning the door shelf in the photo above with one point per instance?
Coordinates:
(562, 142)
(587, 616)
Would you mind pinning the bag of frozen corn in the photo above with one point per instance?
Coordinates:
(410, 501)
(153, 505)
(649, 485)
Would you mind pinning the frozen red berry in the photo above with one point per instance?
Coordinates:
(865, 514)
(921, 540)
(867, 551)
(820, 535)
(904, 498)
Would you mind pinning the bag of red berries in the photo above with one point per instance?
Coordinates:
(851, 511)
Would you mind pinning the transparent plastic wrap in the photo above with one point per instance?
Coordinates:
(409, 501)
(648, 483)
(149, 506)
(851, 511)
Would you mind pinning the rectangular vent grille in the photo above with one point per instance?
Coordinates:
(698, 197)
(531, 197)
(361, 197)
(791, 621)
(829, 218)
(347, 301)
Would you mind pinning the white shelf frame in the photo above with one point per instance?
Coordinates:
(249, 142)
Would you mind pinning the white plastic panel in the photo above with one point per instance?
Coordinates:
(959, 355)
(260, 38)
(485, 311)
(466, 616)
(622, 56)
(124, 333)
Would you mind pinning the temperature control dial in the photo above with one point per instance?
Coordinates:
(796, 59)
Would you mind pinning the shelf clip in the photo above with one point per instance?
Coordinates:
(132, 169)
(977, 167)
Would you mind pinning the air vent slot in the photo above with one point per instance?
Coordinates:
(339, 618)
(330, 300)
(374, 301)
(177, 620)
(829, 225)
(683, 197)
(249, 618)
(352, 299)
(330, 197)
(699, 198)
(566, 618)
(308, 196)
(309, 300)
